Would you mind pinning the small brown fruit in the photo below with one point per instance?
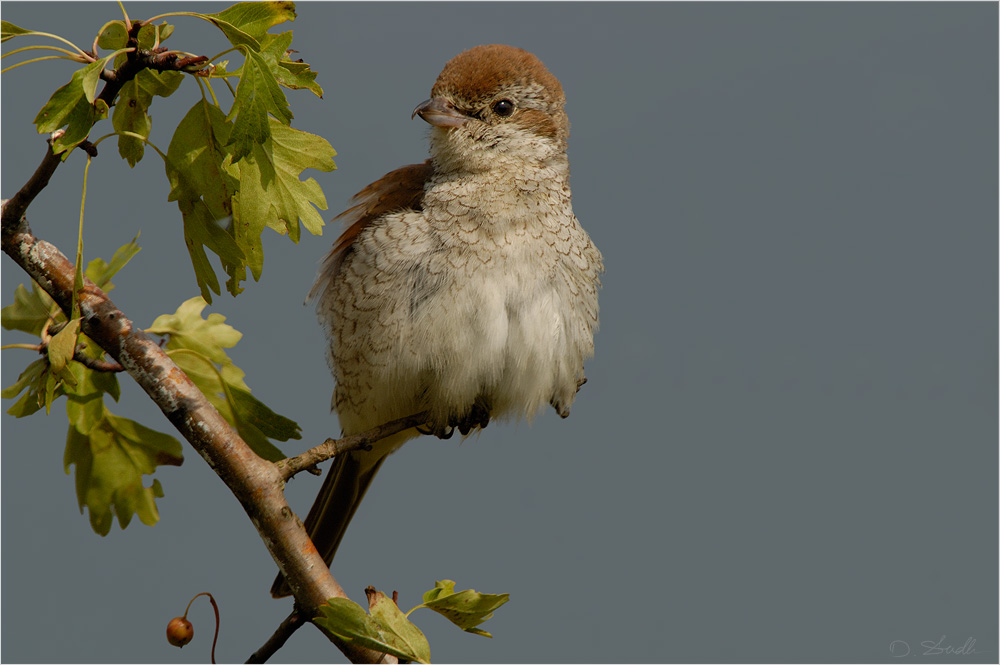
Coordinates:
(179, 631)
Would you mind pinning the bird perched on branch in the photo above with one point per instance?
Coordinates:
(463, 286)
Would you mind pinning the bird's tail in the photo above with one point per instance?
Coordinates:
(338, 500)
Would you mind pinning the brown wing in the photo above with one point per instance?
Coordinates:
(401, 189)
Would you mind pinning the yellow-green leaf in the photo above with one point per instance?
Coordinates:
(132, 110)
(32, 381)
(188, 330)
(258, 97)
(197, 346)
(254, 18)
(30, 311)
(203, 190)
(348, 621)
(72, 106)
(8, 31)
(62, 346)
(466, 609)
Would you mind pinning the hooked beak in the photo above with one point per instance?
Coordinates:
(440, 113)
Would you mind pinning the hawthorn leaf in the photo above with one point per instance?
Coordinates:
(254, 18)
(348, 621)
(110, 459)
(197, 346)
(32, 381)
(132, 109)
(100, 272)
(148, 33)
(188, 330)
(466, 609)
(258, 97)
(293, 151)
(30, 310)
(271, 193)
(8, 31)
(113, 37)
(254, 412)
(289, 73)
(398, 628)
(72, 106)
(62, 346)
(203, 190)
(221, 394)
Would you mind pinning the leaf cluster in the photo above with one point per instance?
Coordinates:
(112, 454)
(385, 628)
(232, 171)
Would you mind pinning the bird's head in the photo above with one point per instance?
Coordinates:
(493, 106)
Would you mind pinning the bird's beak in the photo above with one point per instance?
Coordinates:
(440, 113)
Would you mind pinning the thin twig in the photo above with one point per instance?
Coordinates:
(332, 447)
(278, 639)
(14, 209)
(97, 364)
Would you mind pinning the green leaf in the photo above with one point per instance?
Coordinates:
(32, 381)
(62, 346)
(188, 330)
(113, 37)
(100, 272)
(258, 97)
(196, 345)
(293, 151)
(385, 630)
(72, 106)
(132, 110)
(111, 459)
(466, 609)
(111, 454)
(30, 311)
(395, 625)
(271, 193)
(203, 190)
(8, 31)
(253, 18)
(147, 34)
(293, 74)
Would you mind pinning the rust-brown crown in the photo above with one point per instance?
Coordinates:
(477, 78)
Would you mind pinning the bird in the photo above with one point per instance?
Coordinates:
(463, 286)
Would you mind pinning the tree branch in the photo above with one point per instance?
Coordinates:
(331, 447)
(278, 639)
(255, 482)
(14, 209)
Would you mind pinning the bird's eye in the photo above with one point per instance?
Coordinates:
(503, 108)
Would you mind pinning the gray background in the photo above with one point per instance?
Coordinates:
(787, 450)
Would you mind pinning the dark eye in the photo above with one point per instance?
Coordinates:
(503, 108)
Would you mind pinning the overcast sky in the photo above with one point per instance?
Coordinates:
(787, 447)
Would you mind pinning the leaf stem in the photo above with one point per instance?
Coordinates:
(135, 136)
(219, 55)
(64, 41)
(128, 21)
(191, 14)
(38, 47)
(47, 57)
(78, 273)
